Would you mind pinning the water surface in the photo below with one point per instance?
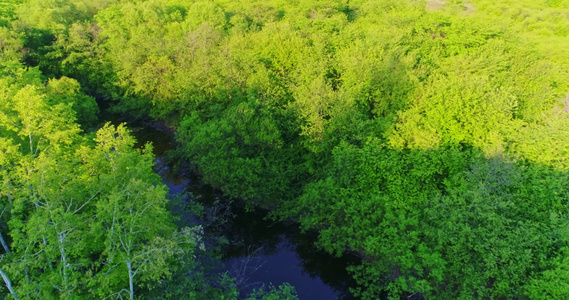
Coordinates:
(260, 252)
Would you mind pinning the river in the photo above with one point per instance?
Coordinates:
(259, 251)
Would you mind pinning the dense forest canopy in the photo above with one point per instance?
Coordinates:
(430, 138)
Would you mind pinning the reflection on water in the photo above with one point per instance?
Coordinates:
(172, 180)
(260, 251)
(285, 255)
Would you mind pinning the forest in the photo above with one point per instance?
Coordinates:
(430, 139)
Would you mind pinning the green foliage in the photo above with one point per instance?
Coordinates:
(428, 137)
(551, 284)
(91, 221)
(282, 292)
(242, 153)
(66, 90)
(11, 47)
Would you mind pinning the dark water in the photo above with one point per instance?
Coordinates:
(259, 251)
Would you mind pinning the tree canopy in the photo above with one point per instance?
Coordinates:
(430, 138)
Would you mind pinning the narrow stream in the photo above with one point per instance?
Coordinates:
(260, 252)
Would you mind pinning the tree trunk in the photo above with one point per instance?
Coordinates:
(130, 279)
(8, 284)
(63, 261)
(6, 248)
(31, 152)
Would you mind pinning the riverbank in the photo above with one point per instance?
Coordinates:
(255, 251)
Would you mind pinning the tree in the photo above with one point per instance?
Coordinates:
(140, 242)
(91, 222)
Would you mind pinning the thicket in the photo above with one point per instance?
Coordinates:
(430, 138)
